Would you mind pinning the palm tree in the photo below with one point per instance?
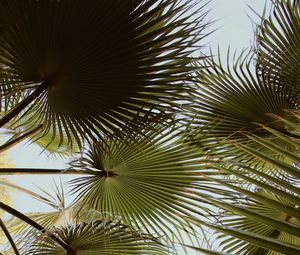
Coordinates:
(172, 146)
(76, 73)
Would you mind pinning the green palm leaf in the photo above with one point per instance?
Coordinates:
(264, 218)
(99, 237)
(278, 45)
(59, 215)
(147, 179)
(261, 227)
(94, 66)
(48, 139)
(251, 227)
(230, 102)
(89, 234)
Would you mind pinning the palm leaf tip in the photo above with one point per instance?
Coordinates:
(119, 59)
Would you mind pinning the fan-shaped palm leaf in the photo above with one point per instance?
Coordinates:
(233, 101)
(87, 235)
(92, 66)
(148, 179)
(252, 224)
(46, 234)
(260, 225)
(48, 140)
(60, 215)
(99, 237)
(265, 218)
(279, 45)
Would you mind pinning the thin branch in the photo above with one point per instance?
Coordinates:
(37, 226)
(8, 236)
(19, 139)
(18, 171)
(23, 104)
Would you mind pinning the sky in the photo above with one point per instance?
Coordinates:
(235, 29)
(235, 21)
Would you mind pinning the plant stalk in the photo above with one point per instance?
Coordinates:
(35, 225)
(19, 139)
(23, 104)
(19, 171)
(9, 238)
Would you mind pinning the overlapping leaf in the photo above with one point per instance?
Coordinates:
(59, 215)
(278, 45)
(231, 102)
(99, 237)
(87, 234)
(265, 218)
(264, 221)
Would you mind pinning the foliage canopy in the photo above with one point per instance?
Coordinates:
(168, 147)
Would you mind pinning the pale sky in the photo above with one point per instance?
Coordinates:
(235, 29)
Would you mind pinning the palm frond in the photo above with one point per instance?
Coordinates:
(264, 218)
(99, 237)
(278, 43)
(59, 215)
(263, 226)
(89, 235)
(89, 76)
(147, 179)
(232, 101)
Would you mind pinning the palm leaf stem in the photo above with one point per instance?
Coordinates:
(23, 104)
(18, 171)
(35, 225)
(8, 236)
(19, 139)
